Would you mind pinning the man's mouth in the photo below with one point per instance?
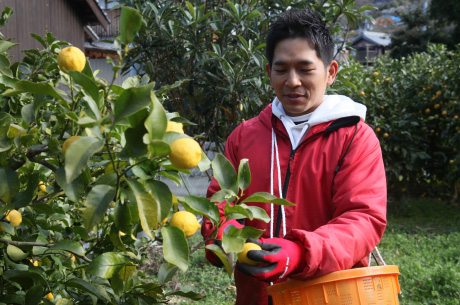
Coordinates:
(294, 95)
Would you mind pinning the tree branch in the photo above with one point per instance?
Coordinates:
(48, 245)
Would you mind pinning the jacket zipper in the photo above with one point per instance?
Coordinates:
(291, 159)
(288, 178)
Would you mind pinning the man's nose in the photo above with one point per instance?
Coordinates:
(293, 79)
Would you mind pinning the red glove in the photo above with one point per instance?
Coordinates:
(279, 257)
(210, 256)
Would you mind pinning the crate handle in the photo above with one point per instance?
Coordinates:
(376, 258)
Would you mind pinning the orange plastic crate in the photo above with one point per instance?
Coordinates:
(377, 285)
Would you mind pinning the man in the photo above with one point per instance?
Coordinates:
(313, 150)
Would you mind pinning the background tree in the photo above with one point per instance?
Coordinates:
(218, 49)
(446, 15)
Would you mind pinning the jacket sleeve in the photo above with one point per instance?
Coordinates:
(231, 154)
(359, 198)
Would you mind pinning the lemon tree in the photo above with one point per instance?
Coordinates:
(83, 165)
(414, 108)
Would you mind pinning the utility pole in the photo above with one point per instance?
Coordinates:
(425, 6)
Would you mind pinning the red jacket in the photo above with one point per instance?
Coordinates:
(339, 217)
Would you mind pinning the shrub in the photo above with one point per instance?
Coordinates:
(413, 106)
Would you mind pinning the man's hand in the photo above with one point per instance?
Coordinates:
(279, 257)
(210, 256)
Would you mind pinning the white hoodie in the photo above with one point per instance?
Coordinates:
(333, 107)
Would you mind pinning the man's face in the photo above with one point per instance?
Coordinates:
(298, 76)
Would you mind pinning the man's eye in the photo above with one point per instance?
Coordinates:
(306, 70)
(280, 71)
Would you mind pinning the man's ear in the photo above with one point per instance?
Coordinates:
(332, 72)
(267, 68)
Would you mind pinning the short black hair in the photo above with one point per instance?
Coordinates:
(296, 23)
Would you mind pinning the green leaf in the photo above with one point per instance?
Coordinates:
(237, 212)
(23, 198)
(34, 295)
(175, 247)
(204, 163)
(233, 242)
(249, 232)
(89, 85)
(15, 253)
(109, 179)
(147, 206)
(244, 175)
(267, 198)
(163, 197)
(257, 213)
(107, 264)
(130, 23)
(9, 82)
(6, 45)
(115, 238)
(222, 256)
(225, 174)
(96, 204)
(24, 278)
(166, 273)
(223, 196)
(9, 184)
(84, 286)
(135, 146)
(133, 100)
(124, 216)
(5, 122)
(159, 148)
(191, 295)
(73, 190)
(5, 66)
(78, 154)
(200, 206)
(69, 246)
(28, 113)
(35, 88)
(157, 120)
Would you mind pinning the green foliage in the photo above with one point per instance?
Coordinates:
(413, 106)
(219, 47)
(80, 236)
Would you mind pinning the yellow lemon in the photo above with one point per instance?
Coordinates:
(127, 271)
(42, 186)
(49, 296)
(185, 221)
(185, 153)
(362, 93)
(71, 59)
(14, 217)
(377, 129)
(175, 126)
(243, 255)
(69, 142)
(386, 135)
(64, 301)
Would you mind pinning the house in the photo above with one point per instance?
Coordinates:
(370, 45)
(67, 20)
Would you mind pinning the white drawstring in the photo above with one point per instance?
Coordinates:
(273, 154)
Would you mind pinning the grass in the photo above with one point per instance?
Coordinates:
(422, 238)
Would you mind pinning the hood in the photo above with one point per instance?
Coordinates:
(332, 108)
